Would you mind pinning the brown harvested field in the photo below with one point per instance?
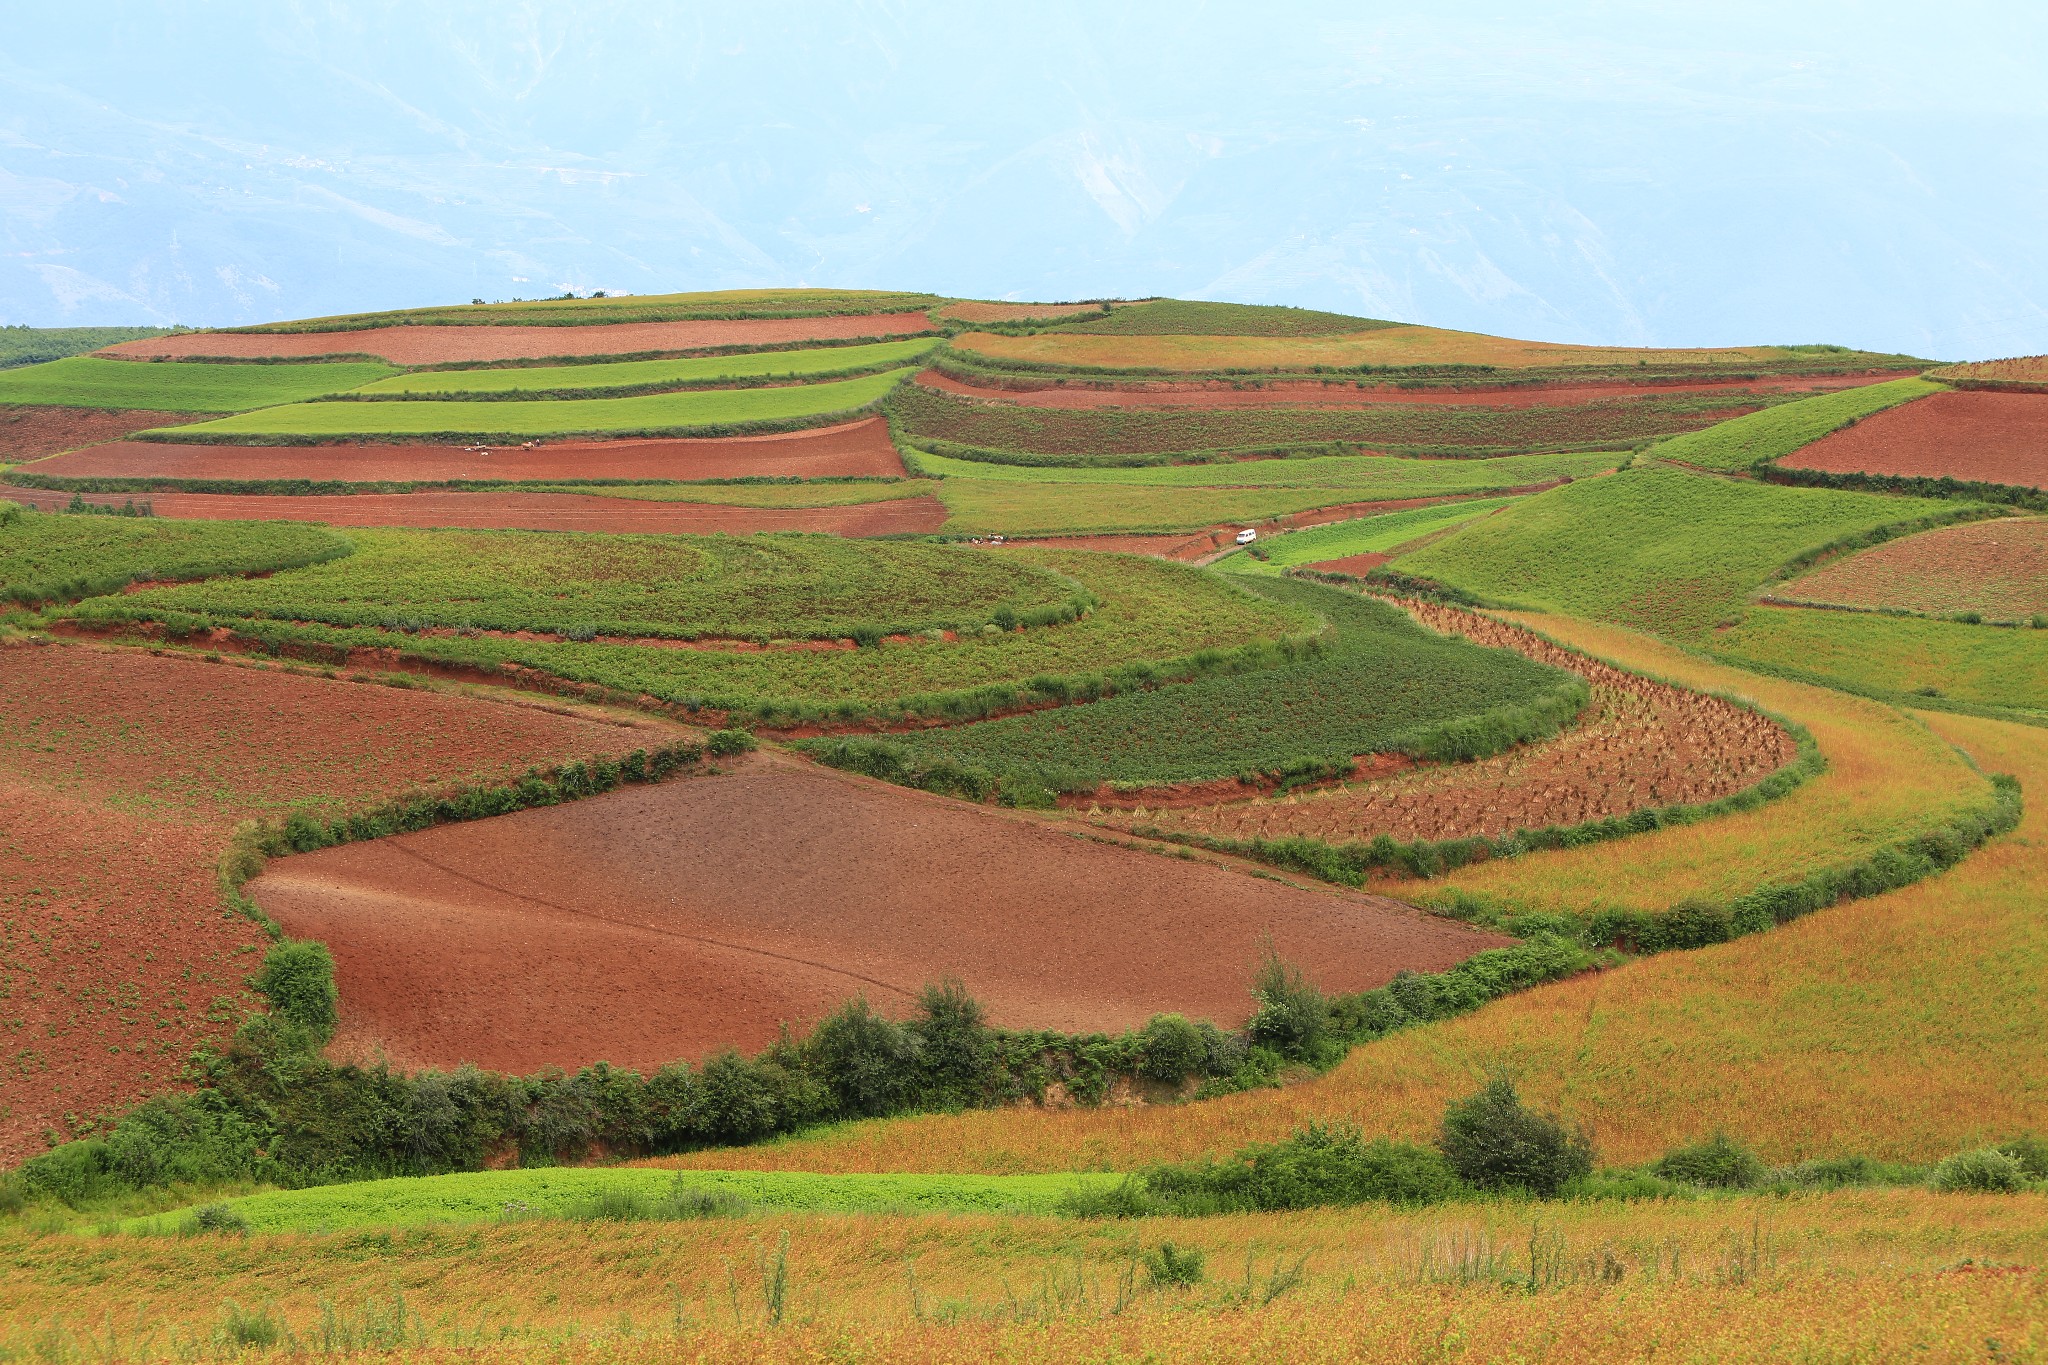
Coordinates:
(415, 345)
(1012, 312)
(1974, 436)
(31, 431)
(1212, 394)
(499, 511)
(1998, 568)
(850, 450)
(2028, 373)
(1640, 743)
(665, 922)
(122, 775)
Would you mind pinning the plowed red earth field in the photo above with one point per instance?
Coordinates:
(31, 431)
(122, 775)
(451, 345)
(1310, 394)
(1976, 436)
(851, 450)
(522, 511)
(664, 922)
(1997, 567)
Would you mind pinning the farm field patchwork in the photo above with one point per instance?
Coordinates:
(676, 413)
(1896, 657)
(1383, 685)
(1179, 317)
(1998, 569)
(52, 557)
(1975, 437)
(2017, 371)
(1777, 432)
(848, 493)
(721, 305)
(29, 431)
(648, 375)
(1658, 549)
(1339, 540)
(94, 382)
(1369, 476)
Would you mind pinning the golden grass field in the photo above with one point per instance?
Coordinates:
(1385, 346)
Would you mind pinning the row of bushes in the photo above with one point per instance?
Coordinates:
(268, 1107)
(1947, 486)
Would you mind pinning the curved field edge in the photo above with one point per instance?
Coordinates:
(1761, 437)
(59, 557)
(1354, 863)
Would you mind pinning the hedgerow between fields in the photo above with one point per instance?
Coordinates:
(184, 386)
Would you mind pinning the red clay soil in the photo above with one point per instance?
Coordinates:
(1214, 394)
(521, 511)
(1352, 564)
(121, 777)
(31, 431)
(849, 450)
(1979, 437)
(447, 345)
(1997, 567)
(1639, 743)
(671, 921)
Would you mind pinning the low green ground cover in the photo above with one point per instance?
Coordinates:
(1775, 432)
(986, 507)
(1157, 620)
(1902, 658)
(647, 376)
(715, 305)
(782, 586)
(1384, 476)
(1360, 536)
(1381, 683)
(1170, 317)
(46, 556)
(586, 1192)
(1659, 549)
(185, 386)
(1101, 435)
(35, 345)
(699, 411)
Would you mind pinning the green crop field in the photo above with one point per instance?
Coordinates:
(1368, 476)
(46, 556)
(1181, 317)
(185, 386)
(689, 411)
(36, 345)
(1897, 656)
(648, 376)
(1662, 550)
(1087, 435)
(1382, 684)
(510, 1196)
(988, 507)
(1776, 432)
(1362, 535)
(715, 305)
(668, 587)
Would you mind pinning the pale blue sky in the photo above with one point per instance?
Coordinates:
(1803, 170)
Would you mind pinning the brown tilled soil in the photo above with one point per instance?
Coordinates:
(850, 450)
(448, 345)
(1012, 312)
(31, 431)
(121, 777)
(1998, 568)
(670, 921)
(1980, 437)
(521, 511)
(1639, 744)
(1215, 394)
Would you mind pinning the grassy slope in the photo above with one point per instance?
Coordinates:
(1658, 549)
(21, 345)
(45, 556)
(1903, 1026)
(1383, 680)
(547, 417)
(1168, 317)
(190, 386)
(630, 374)
(1892, 655)
(1362, 535)
(1776, 432)
(1384, 348)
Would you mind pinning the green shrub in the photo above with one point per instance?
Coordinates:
(298, 980)
(1491, 1140)
(217, 1218)
(1171, 1267)
(1833, 1173)
(1128, 1198)
(868, 1063)
(1718, 1162)
(1986, 1171)
(2030, 1152)
(955, 1047)
(1171, 1048)
(725, 743)
(1293, 1018)
(1320, 1165)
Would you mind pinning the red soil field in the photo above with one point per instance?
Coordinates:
(1979, 437)
(671, 921)
(415, 345)
(1359, 564)
(1997, 567)
(521, 511)
(1012, 312)
(31, 431)
(1639, 743)
(1211, 394)
(122, 775)
(850, 450)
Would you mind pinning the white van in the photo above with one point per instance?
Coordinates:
(1247, 536)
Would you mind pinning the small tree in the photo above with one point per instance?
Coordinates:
(869, 1062)
(1718, 1162)
(953, 1043)
(1493, 1142)
(1171, 1048)
(1986, 1171)
(297, 978)
(1293, 1018)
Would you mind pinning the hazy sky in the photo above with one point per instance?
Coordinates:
(1802, 170)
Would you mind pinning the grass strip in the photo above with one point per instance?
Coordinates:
(1760, 437)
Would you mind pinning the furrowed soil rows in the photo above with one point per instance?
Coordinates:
(664, 922)
(850, 450)
(1640, 744)
(1036, 392)
(31, 431)
(121, 776)
(526, 511)
(1976, 437)
(1997, 568)
(414, 345)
